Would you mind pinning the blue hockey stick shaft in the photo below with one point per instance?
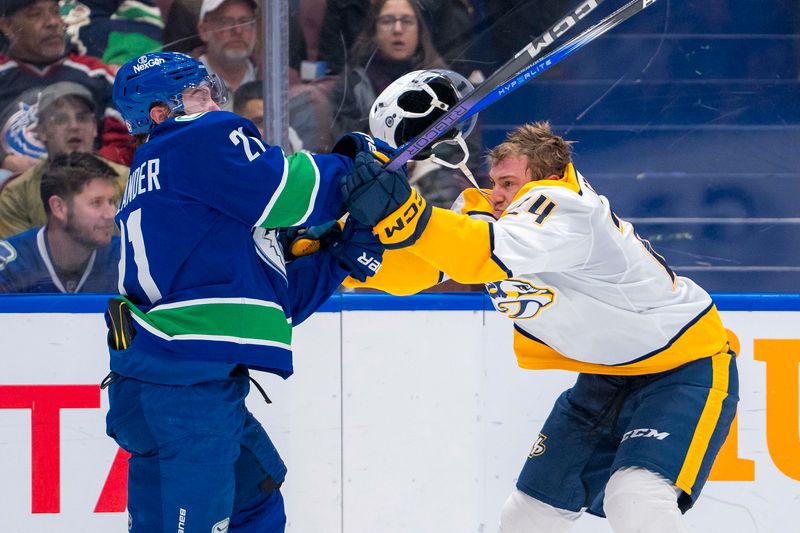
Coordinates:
(516, 72)
(520, 60)
(559, 54)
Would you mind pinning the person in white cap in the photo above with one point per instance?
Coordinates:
(64, 121)
(228, 29)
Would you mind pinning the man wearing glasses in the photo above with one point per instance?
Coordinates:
(62, 120)
(228, 29)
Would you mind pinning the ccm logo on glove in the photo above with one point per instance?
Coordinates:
(405, 225)
(408, 216)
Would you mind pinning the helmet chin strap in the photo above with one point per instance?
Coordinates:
(461, 165)
(435, 103)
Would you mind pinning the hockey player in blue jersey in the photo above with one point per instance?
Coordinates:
(207, 295)
(76, 251)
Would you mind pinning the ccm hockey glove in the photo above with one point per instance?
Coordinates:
(358, 250)
(405, 225)
(371, 193)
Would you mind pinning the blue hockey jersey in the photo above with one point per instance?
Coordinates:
(26, 267)
(203, 288)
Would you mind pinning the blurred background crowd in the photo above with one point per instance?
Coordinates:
(687, 117)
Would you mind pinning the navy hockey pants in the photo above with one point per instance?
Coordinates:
(672, 423)
(200, 462)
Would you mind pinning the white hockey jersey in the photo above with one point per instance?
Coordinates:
(583, 286)
(584, 291)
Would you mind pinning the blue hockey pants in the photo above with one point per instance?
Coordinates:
(200, 462)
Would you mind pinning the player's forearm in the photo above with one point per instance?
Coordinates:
(401, 273)
(459, 246)
(455, 244)
(312, 280)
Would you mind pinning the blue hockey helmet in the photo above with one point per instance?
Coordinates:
(160, 77)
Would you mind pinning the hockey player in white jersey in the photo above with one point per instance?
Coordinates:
(635, 438)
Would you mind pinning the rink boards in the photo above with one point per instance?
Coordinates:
(404, 415)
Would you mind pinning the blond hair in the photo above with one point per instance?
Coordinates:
(547, 153)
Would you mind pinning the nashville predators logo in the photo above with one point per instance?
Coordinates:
(517, 298)
(538, 447)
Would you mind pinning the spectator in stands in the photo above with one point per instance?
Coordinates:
(248, 102)
(228, 29)
(345, 19)
(37, 56)
(116, 31)
(181, 35)
(76, 251)
(64, 123)
(395, 41)
(309, 114)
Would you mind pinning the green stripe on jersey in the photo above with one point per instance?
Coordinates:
(296, 200)
(231, 321)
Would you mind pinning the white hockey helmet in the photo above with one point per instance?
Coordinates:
(414, 101)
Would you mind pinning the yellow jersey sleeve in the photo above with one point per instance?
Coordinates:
(474, 202)
(401, 273)
(461, 247)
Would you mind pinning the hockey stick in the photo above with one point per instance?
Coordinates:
(521, 59)
(518, 71)
(563, 51)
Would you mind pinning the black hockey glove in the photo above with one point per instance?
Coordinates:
(120, 324)
(358, 250)
(355, 247)
(370, 192)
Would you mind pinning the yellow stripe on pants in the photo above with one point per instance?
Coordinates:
(720, 368)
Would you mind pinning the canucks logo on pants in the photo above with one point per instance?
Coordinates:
(517, 298)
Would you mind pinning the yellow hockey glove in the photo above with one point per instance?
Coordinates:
(406, 223)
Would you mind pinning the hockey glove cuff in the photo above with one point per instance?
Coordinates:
(371, 192)
(353, 143)
(405, 225)
(358, 250)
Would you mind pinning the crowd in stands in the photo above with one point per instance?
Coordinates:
(64, 150)
(75, 250)
(58, 59)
